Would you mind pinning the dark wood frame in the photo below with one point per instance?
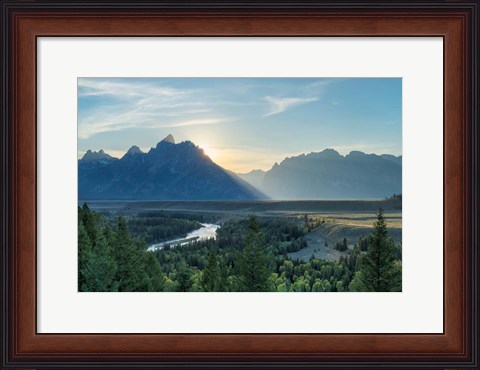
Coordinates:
(456, 21)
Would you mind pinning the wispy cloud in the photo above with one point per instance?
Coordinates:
(132, 119)
(112, 105)
(143, 105)
(196, 122)
(124, 89)
(279, 105)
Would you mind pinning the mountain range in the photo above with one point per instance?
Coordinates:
(169, 171)
(329, 175)
(182, 171)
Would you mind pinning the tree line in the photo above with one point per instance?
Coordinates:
(110, 260)
(155, 229)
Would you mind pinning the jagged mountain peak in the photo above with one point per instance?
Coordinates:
(325, 154)
(254, 172)
(356, 154)
(169, 171)
(134, 150)
(91, 156)
(169, 139)
(331, 151)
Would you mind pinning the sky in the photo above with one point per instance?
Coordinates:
(242, 123)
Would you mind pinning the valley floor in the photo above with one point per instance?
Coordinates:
(350, 219)
(350, 226)
(259, 208)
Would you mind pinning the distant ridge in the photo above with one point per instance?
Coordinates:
(254, 177)
(329, 175)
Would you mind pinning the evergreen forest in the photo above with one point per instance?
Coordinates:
(249, 254)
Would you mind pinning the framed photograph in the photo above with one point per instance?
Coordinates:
(240, 185)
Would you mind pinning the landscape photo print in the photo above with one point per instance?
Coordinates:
(239, 184)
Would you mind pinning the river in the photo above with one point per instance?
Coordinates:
(207, 231)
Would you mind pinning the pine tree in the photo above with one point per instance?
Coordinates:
(224, 273)
(184, 278)
(116, 261)
(88, 219)
(84, 253)
(379, 270)
(154, 281)
(211, 273)
(99, 271)
(254, 262)
(131, 268)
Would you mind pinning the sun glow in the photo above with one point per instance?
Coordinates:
(240, 160)
(210, 152)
